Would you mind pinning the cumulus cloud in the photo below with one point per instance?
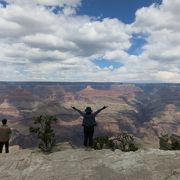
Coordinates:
(38, 44)
(160, 23)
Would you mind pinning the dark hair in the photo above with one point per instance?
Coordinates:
(88, 109)
(4, 121)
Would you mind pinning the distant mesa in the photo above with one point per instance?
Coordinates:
(19, 89)
(88, 88)
(22, 95)
(7, 109)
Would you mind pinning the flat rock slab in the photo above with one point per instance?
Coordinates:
(78, 164)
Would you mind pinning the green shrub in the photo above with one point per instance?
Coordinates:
(167, 142)
(164, 142)
(44, 132)
(175, 141)
(123, 141)
(101, 142)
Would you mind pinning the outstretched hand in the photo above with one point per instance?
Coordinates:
(105, 107)
(73, 107)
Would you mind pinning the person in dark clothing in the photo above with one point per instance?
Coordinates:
(5, 133)
(89, 122)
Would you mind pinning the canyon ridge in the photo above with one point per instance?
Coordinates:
(144, 110)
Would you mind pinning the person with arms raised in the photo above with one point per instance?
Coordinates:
(88, 123)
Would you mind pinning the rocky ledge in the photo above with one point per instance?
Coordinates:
(78, 164)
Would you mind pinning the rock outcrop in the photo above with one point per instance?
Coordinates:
(8, 110)
(78, 164)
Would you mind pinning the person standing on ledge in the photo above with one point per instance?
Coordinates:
(5, 133)
(89, 122)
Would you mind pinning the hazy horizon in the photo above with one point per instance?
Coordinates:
(86, 82)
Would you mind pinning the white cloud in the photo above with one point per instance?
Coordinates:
(37, 44)
(162, 48)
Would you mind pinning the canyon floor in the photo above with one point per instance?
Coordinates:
(78, 164)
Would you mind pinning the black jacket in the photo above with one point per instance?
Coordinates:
(89, 120)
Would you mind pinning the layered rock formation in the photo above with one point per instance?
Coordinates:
(8, 110)
(145, 110)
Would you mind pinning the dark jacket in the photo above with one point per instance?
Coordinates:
(5, 133)
(89, 120)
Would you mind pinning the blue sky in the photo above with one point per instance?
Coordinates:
(90, 40)
(124, 10)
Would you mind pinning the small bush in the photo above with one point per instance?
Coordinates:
(101, 142)
(44, 132)
(164, 142)
(169, 142)
(123, 141)
(175, 142)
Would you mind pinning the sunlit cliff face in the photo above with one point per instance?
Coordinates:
(7, 109)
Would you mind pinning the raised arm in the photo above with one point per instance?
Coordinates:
(79, 111)
(99, 110)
